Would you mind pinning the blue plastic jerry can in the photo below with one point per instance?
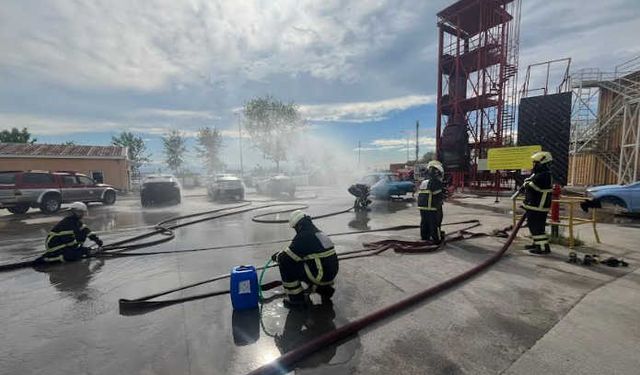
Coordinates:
(244, 287)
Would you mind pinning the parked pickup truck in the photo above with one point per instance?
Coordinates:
(20, 190)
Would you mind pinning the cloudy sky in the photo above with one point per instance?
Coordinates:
(360, 70)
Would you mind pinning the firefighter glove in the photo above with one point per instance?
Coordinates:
(96, 239)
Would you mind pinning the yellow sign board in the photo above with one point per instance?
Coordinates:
(507, 158)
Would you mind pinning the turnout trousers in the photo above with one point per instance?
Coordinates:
(319, 274)
(430, 222)
(536, 220)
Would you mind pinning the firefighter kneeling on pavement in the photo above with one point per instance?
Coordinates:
(430, 198)
(65, 241)
(537, 201)
(310, 258)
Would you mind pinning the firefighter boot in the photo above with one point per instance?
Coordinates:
(326, 292)
(539, 250)
(298, 301)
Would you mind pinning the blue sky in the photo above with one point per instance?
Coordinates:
(360, 70)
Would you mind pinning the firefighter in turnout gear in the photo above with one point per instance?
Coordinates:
(65, 241)
(310, 258)
(538, 189)
(430, 198)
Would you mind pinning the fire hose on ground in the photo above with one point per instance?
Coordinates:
(167, 232)
(120, 248)
(273, 242)
(143, 304)
(287, 360)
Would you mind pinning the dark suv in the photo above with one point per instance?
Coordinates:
(20, 190)
(160, 188)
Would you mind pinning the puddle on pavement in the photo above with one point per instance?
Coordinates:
(360, 221)
(81, 298)
(277, 330)
(43, 220)
(391, 206)
(73, 279)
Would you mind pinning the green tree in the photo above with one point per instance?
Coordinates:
(272, 125)
(208, 149)
(174, 149)
(69, 143)
(136, 149)
(16, 136)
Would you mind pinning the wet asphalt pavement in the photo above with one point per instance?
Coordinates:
(65, 319)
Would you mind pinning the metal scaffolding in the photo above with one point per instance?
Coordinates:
(605, 126)
(477, 85)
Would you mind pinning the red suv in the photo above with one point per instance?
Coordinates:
(20, 190)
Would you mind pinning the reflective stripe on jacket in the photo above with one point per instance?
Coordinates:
(430, 199)
(69, 232)
(317, 253)
(538, 192)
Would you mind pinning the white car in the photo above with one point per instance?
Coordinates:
(226, 186)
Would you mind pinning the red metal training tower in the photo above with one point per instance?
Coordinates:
(477, 86)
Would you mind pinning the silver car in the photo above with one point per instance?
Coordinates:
(226, 186)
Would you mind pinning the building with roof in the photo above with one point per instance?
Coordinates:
(107, 164)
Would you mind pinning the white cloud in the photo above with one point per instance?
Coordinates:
(190, 133)
(48, 125)
(359, 112)
(61, 125)
(172, 114)
(85, 66)
(546, 34)
(168, 43)
(399, 144)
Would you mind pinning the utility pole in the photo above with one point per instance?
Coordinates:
(408, 137)
(240, 144)
(417, 141)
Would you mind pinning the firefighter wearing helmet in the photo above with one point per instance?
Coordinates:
(65, 241)
(537, 189)
(430, 198)
(310, 258)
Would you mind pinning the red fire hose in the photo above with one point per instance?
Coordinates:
(287, 360)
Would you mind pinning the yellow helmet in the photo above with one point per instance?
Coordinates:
(435, 164)
(542, 157)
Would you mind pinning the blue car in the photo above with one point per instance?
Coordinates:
(387, 185)
(626, 196)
